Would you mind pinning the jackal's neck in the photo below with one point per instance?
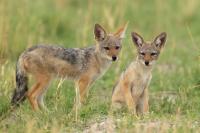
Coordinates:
(141, 67)
(102, 62)
(101, 59)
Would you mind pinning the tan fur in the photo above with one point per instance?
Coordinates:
(132, 87)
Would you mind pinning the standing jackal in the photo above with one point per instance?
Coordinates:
(132, 87)
(83, 65)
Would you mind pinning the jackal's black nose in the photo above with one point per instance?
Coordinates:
(114, 58)
(146, 63)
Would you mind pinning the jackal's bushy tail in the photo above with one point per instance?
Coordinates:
(21, 85)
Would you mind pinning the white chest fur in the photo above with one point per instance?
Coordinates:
(140, 78)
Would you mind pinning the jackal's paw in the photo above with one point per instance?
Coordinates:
(116, 106)
(132, 111)
(76, 106)
(46, 110)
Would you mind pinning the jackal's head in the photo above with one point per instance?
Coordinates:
(109, 45)
(148, 52)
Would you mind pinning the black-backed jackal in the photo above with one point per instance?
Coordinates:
(132, 87)
(83, 65)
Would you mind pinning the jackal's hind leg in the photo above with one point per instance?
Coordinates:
(41, 104)
(35, 95)
(118, 99)
(116, 105)
(40, 98)
(31, 98)
(40, 93)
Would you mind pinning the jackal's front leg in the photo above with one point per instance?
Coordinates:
(83, 85)
(128, 97)
(143, 104)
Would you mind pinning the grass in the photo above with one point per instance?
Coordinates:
(175, 86)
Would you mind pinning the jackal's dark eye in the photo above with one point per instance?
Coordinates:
(142, 53)
(154, 54)
(106, 48)
(117, 47)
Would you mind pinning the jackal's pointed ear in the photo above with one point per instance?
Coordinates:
(99, 32)
(121, 32)
(160, 40)
(137, 39)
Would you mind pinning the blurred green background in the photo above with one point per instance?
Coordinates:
(175, 86)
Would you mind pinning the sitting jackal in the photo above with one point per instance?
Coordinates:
(132, 87)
